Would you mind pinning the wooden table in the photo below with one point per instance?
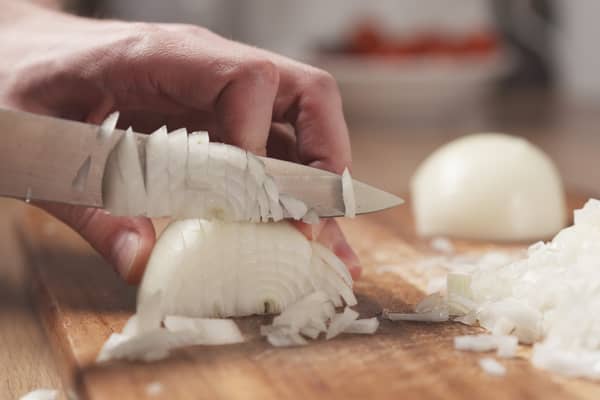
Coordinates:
(384, 157)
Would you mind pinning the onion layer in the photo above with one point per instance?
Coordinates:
(218, 269)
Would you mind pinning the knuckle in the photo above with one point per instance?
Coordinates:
(144, 38)
(261, 70)
(321, 80)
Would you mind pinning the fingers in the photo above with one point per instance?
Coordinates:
(328, 233)
(124, 242)
(244, 108)
(322, 135)
(309, 99)
(332, 237)
(282, 142)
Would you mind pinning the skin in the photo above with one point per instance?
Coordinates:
(185, 76)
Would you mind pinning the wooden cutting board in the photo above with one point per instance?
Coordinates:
(81, 302)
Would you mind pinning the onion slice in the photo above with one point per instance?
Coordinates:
(124, 192)
(157, 343)
(367, 326)
(41, 394)
(212, 331)
(348, 194)
(492, 367)
(505, 345)
(108, 126)
(341, 322)
(157, 180)
(265, 268)
(178, 157)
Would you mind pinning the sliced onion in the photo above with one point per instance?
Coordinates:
(262, 264)
(108, 125)
(178, 157)
(506, 345)
(468, 319)
(311, 217)
(157, 180)
(525, 319)
(189, 177)
(156, 344)
(366, 326)
(310, 332)
(577, 363)
(212, 331)
(348, 195)
(492, 367)
(550, 297)
(341, 322)
(293, 207)
(442, 245)
(41, 394)
(458, 287)
(311, 308)
(154, 389)
(429, 303)
(148, 346)
(124, 192)
(282, 339)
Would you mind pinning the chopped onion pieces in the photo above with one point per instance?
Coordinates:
(154, 388)
(340, 322)
(366, 326)
(492, 367)
(348, 195)
(505, 345)
(41, 394)
(212, 331)
(108, 125)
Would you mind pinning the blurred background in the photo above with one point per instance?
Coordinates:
(416, 73)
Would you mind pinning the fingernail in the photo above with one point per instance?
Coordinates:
(124, 252)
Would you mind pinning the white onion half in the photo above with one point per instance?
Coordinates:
(218, 269)
(488, 187)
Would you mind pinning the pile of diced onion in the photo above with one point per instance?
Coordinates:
(550, 299)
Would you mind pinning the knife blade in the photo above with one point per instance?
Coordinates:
(51, 159)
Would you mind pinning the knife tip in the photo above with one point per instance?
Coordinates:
(371, 199)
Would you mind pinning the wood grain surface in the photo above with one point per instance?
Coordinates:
(25, 358)
(81, 302)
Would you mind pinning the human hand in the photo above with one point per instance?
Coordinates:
(181, 75)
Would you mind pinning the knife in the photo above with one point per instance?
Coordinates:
(51, 159)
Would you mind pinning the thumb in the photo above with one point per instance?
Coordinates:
(125, 242)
